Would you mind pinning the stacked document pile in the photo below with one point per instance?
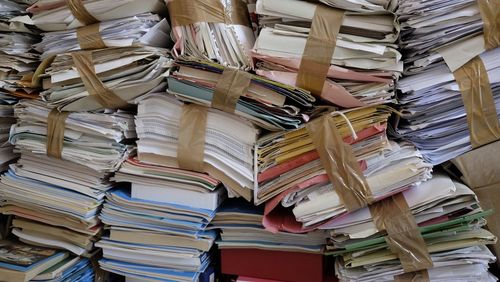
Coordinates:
(218, 30)
(450, 220)
(434, 116)
(435, 30)
(291, 175)
(241, 227)
(298, 37)
(226, 151)
(56, 199)
(269, 104)
(158, 226)
(18, 62)
(77, 269)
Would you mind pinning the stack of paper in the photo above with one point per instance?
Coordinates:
(129, 72)
(219, 30)
(141, 30)
(70, 269)
(433, 113)
(52, 15)
(270, 104)
(290, 174)
(229, 140)
(157, 228)
(18, 61)
(365, 61)
(433, 30)
(241, 227)
(450, 220)
(57, 201)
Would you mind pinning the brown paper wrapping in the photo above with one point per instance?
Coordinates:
(232, 84)
(472, 78)
(105, 96)
(56, 122)
(186, 12)
(319, 49)
(80, 12)
(191, 143)
(417, 276)
(403, 236)
(89, 37)
(340, 164)
(490, 12)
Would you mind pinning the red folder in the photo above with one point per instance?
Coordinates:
(276, 265)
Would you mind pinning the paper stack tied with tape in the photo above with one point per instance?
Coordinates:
(344, 52)
(18, 62)
(450, 101)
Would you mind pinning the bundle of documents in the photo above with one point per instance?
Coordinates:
(433, 112)
(270, 104)
(240, 223)
(94, 140)
(227, 151)
(127, 73)
(70, 269)
(217, 30)
(450, 220)
(290, 173)
(140, 30)
(157, 228)
(52, 15)
(365, 59)
(433, 30)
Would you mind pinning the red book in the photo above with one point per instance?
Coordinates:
(276, 265)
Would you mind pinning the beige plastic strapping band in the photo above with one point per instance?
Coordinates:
(482, 119)
(80, 12)
(186, 12)
(191, 142)
(319, 49)
(56, 122)
(36, 81)
(416, 276)
(490, 12)
(231, 85)
(403, 236)
(89, 37)
(339, 163)
(106, 97)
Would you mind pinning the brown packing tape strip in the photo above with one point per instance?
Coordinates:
(105, 96)
(482, 118)
(319, 49)
(403, 236)
(89, 37)
(231, 85)
(36, 81)
(339, 163)
(191, 142)
(80, 12)
(187, 12)
(56, 123)
(416, 276)
(490, 12)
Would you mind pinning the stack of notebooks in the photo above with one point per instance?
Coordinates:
(365, 60)
(290, 174)
(451, 223)
(269, 104)
(228, 147)
(158, 225)
(18, 62)
(240, 223)
(219, 30)
(433, 112)
(56, 201)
